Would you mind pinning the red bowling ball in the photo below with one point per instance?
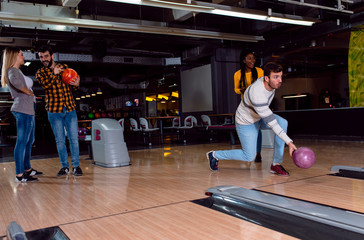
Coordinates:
(68, 74)
(304, 157)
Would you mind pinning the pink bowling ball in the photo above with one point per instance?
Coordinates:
(304, 157)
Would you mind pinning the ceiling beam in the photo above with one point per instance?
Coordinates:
(117, 26)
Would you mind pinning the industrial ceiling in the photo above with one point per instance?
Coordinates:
(151, 37)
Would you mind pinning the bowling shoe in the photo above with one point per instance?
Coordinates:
(279, 170)
(212, 161)
(25, 178)
(63, 171)
(258, 158)
(77, 171)
(34, 172)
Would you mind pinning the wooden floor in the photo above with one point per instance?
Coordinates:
(151, 198)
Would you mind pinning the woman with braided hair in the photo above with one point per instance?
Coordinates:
(243, 81)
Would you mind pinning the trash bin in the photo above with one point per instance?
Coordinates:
(108, 145)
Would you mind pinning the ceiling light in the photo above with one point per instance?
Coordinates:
(60, 27)
(290, 21)
(203, 7)
(239, 14)
(182, 6)
(99, 91)
(295, 96)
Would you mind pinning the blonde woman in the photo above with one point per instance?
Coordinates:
(23, 110)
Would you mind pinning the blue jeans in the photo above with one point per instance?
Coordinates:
(259, 142)
(248, 135)
(25, 128)
(66, 121)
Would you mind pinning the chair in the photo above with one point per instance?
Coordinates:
(189, 123)
(229, 120)
(121, 121)
(134, 125)
(144, 124)
(206, 122)
(175, 123)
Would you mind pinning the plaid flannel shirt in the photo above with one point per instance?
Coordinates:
(58, 94)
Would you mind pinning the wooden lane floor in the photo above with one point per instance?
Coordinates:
(333, 191)
(157, 180)
(316, 186)
(184, 220)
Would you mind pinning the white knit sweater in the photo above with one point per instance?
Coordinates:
(255, 106)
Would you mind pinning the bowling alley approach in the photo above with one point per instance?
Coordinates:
(181, 120)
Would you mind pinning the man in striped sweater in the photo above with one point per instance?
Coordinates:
(253, 113)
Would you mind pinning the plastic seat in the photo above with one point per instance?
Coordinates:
(175, 123)
(229, 120)
(134, 125)
(189, 123)
(121, 121)
(206, 122)
(144, 124)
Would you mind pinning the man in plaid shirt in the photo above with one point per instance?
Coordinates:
(61, 108)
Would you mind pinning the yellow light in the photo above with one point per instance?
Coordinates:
(149, 99)
(161, 96)
(175, 94)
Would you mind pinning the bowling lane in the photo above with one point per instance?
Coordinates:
(184, 220)
(345, 193)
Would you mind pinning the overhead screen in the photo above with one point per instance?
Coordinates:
(196, 89)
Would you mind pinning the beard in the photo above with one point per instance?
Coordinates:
(274, 86)
(48, 63)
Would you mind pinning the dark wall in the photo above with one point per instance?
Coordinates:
(338, 123)
(224, 64)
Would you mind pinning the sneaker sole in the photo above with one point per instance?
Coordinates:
(279, 174)
(35, 174)
(208, 161)
(17, 181)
